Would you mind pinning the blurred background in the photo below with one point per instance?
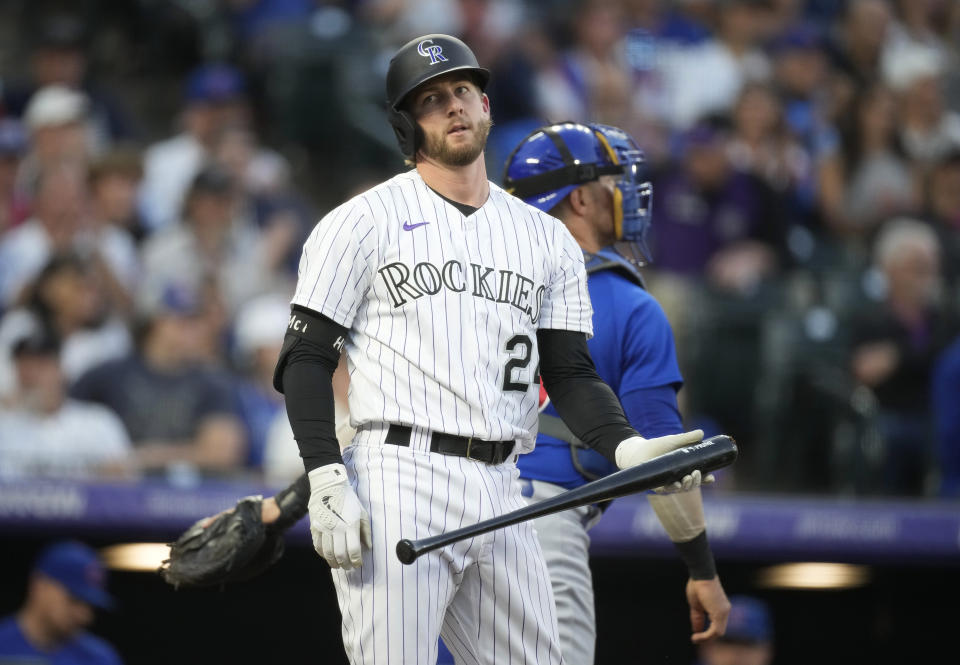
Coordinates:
(162, 161)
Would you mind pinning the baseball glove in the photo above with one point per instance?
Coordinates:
(235, 545)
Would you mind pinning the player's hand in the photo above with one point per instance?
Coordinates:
(338, 523)
(691, 481)
(637, 450)
(707, 600)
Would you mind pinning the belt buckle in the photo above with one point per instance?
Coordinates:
(487, 460)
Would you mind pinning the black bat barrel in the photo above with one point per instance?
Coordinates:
(708, 455)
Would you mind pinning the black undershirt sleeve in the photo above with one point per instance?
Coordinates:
(586, 404)
(304, 374)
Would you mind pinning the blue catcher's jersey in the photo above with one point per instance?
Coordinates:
(633, 349)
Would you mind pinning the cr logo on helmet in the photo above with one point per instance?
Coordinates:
(434, 52)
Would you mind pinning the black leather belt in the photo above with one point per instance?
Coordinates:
(491, 452)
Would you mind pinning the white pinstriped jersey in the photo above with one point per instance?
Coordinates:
(443, 309)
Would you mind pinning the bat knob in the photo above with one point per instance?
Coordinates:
(406, 551)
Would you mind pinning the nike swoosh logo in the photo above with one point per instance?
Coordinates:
(407, 226)
(326, 502)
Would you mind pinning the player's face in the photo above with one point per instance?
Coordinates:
(455, 118)
(63, 614)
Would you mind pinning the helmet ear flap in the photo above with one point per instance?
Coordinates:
(406, 130)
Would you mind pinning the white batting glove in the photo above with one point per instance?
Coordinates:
(637, 450)
(338, 523)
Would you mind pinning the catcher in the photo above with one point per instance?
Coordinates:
(237, 544)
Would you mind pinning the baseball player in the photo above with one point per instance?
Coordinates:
(450, 297)
(592, 177)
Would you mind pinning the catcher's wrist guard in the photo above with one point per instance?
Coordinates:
(292, 502)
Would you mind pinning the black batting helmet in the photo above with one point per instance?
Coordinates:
(417, 62)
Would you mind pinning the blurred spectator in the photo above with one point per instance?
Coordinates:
(705, 79)
(800, 73)
(235, 149)
(45, 434)
(748, 639)
(67, 583)
(942, 209)
(855, 51)
(176, 411)
(762, 145)
(593, 71)
(946, 393)
(266, 200)
(61, 223)
(13, 201)
(56, 119)
(871, 180)
(58, 210)
(258, 336)
(714, 221)
(214, 99)
(928, 129)
(66, 301)
(114, 179)
(894, 345)
(918, 24)
(214, 245)
(58, 57)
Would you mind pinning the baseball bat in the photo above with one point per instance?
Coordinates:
(708, 455)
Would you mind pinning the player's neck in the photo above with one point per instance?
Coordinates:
(584, 232)
(463, 184)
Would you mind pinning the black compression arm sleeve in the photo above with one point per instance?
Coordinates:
(586, 404)
(305, 369)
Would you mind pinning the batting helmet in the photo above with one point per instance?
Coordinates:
(417, 62)
(553, 161)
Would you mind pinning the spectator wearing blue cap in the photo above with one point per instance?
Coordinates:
(67, 584)
(214, 98)
(215, 110)
(748, 639)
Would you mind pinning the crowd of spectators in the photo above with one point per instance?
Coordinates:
(805, 158)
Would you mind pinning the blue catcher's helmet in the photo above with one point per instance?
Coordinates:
(553, 161)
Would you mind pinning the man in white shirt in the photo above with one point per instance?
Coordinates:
(45, 434)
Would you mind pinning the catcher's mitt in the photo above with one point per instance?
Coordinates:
(220, 550)
(235, 545)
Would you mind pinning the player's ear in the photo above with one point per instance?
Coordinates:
(580, 199)
(485, 102)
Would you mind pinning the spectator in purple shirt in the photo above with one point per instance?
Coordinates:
(714, 221)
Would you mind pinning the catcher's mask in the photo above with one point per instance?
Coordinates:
(553, 161)
(417, 62)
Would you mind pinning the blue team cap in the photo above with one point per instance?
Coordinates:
(214, 83)
(79, 569)
(749, 621)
